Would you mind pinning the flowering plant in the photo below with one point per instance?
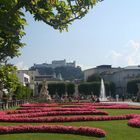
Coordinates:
(56, 113)
(88, 131)
(6, 118)
(135, 122)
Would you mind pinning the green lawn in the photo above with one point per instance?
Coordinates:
(116, 130)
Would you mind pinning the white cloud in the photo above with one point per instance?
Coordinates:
(114, 55)
(130, 61)
(128, 55)
(133, 44)
(133, 53)
(21, 66)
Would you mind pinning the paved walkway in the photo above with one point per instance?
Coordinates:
(129, 103)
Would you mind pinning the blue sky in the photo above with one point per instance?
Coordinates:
(108, 34)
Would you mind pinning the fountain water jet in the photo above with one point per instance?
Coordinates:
(102, 92)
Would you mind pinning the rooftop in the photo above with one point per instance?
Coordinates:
(132, 67)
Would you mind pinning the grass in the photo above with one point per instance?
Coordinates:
(116, 130)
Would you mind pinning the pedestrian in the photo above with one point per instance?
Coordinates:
(123, 98)
(97, 100)
(117, 97)
(93, 98)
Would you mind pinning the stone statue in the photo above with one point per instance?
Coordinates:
(44, 93)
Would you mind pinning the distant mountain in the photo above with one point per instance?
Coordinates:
(67, 72)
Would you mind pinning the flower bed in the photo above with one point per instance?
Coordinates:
(75, 106)
(39, 105)
(40, 113)
(56, 113)
(135, 122)
(88, 131)
(2, 113)
(6, 118)
(30, 110)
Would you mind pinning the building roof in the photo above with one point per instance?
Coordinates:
(104, 66)
(132, 67)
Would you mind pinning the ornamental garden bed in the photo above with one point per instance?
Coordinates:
(79, 121)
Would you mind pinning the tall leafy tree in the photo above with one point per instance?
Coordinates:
(70, 87)
(8, 78)
(56, 13)
(94, 78)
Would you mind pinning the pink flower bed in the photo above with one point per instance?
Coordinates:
(135, 122)
(38, 113)
(55, 113)
(39, 105)
(6, 118)
(2, 113)
(81, 105)
(30, 110)
(88, 131)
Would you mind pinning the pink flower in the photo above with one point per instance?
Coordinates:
(135, 122)
(88, 131)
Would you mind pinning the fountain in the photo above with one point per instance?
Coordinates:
(102, 92)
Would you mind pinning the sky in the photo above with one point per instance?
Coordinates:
(109, 34)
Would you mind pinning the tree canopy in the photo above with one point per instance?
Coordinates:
(56, 13)
(8, 78)
(132, 87)
(94, 78)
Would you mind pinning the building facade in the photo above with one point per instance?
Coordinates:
(119, 76)
(33, 79)
(23, 78)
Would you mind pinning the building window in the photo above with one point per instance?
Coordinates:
(25, 80)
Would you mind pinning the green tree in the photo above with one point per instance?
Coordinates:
(60, 89)
(23, 92)
(94, 78)
(8, 77)
(132, 87)
(70, 88)
(112, 89)
(84, 88)
(52, 88)
(89, 88)
(55, 13)
(95, 88)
